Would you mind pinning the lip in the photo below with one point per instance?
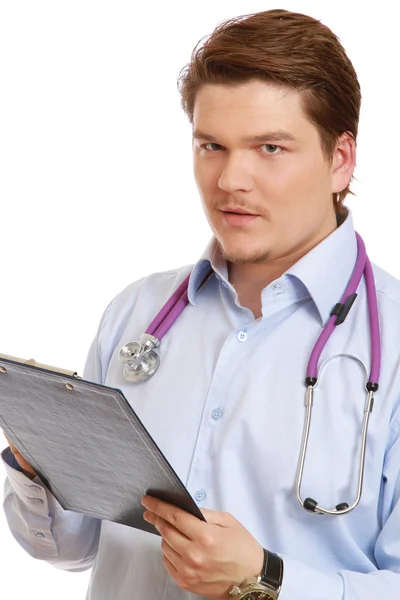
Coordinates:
(238, 210)
(238, 219)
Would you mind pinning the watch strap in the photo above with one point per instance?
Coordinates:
(272, 570)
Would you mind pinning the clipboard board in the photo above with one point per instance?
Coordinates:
(86, 443)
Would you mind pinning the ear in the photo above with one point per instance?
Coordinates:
(343, 162)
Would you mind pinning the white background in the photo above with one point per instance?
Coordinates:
(96, 186)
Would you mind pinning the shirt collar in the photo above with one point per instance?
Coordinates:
(325, 271)
(210, 259)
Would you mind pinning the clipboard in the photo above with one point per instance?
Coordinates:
(86, 443)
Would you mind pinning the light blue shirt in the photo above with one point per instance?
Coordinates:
(227, 409)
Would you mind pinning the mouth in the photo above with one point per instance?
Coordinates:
(237, 217)
(238, 211)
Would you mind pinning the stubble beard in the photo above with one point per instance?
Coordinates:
(241, 258)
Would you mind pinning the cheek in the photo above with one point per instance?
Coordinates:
(206, 177)
(295, 181)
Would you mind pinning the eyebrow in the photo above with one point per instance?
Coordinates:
(270, 136)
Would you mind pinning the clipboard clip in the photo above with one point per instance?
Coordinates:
(32, 362)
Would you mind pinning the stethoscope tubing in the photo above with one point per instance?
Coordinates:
(135, 354)
(171, 310)
(363, 267)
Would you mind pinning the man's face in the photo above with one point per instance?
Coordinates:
(283, 179)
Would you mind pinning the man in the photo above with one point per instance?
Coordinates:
(274, 103)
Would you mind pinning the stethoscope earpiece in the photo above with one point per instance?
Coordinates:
(311, 505)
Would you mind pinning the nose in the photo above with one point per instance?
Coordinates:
(236, 174)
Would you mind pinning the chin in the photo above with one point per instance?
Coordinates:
(240, 256)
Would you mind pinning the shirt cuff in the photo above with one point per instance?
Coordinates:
(10, 460)
(26, 488)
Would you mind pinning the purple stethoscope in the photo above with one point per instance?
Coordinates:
(141, 361)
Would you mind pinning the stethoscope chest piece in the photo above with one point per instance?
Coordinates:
(143, 370)
(139, 359)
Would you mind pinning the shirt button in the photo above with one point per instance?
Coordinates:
(216, 414)
(242, 336)
(200, 495)
(36, 500)
(33, 486)
(40, 535)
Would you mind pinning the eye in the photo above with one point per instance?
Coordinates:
(212, 149)
(271, 149)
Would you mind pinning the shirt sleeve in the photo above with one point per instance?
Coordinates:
(302, 582)
(42, 527)
(37, 521)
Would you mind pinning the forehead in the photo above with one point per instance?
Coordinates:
(248, 108)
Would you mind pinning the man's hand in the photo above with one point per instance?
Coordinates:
(204, 558)
(29, 472)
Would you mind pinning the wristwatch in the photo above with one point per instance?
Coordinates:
(266, 586)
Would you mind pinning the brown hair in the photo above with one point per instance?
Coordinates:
(289, 49)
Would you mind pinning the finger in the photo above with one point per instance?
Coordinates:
(172, 571)
(180, 519)
(214, 517)
(174, 558)
(12, 447)
(176, 539)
